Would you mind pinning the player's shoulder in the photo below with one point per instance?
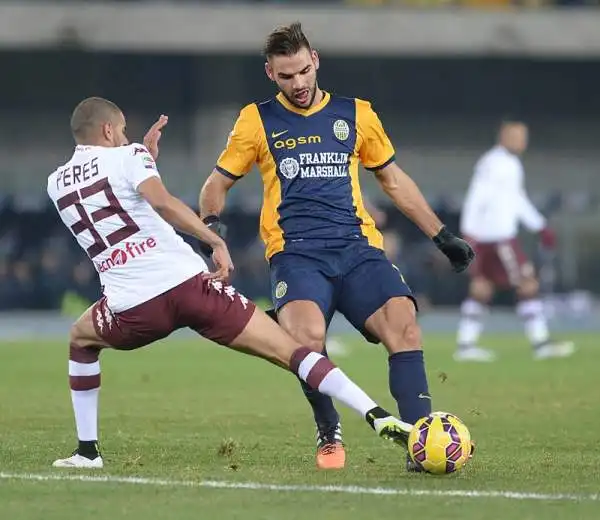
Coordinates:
(365, 111)
(499, 156)
(133, 149)
(364, 104)
(251, 109)
(249, 119)
(51, 184)
(52, 178)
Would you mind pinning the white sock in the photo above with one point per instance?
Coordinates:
(471, 323)
(317, 370)
(338, 385)
(85, 406)
(534, 321)
(85, 388)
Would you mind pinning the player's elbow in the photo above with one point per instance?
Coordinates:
(218, 182)
(389, 184)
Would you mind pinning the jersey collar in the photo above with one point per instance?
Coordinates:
(309, 112)
(84, 147)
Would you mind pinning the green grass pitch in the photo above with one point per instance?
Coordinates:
(184, 412)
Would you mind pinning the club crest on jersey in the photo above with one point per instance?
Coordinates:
(149, 163)
(289, 167)
(280, 290)
(341, 130)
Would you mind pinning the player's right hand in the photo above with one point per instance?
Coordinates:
(222, 260)
(153, 136)
(457, 250)
(548, 238)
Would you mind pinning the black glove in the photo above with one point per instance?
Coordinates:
(457, 250)
(215, 225)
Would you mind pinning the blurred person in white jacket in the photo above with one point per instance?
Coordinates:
(495, 205)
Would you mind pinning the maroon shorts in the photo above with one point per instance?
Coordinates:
(216, 311)
(502, 263)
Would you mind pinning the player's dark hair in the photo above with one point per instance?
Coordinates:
(90, 114)
(511, 119)
(286, 41)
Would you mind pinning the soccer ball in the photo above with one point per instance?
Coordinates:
(439, 443)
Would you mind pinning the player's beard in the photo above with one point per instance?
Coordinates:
(312, 92)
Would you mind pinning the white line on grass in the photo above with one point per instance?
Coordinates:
(353, 490)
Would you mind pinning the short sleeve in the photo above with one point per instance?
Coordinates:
(375, 149)
(139, 165)
(242, 149)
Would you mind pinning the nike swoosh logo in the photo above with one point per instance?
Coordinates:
(424, 396)
(275, 135)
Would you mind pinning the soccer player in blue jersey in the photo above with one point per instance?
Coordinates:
(324, 251)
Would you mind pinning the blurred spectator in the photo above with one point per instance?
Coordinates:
(85, 282)
(5, 285)
(37, 273)
(52, 278)
(22, 285)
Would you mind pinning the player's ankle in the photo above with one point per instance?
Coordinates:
(88, 449)
(376, 413)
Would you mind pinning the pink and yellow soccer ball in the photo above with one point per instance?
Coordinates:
(440, 443)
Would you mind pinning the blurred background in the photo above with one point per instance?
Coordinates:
(441, 74)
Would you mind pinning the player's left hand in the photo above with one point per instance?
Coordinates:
(222, 260)
(153, 136)
(457, 250)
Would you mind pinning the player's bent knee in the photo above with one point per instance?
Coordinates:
(412, 339)
(528, 288)
(264, 338)
(305, 323)
(395, 324)
(76, 339)
(308, 334)
(408, 338)
(481, 289)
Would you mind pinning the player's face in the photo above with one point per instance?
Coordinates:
(114, 131)
(515, 137)
(296, 76)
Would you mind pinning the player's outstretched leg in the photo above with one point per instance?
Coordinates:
(531, 310)
(395, 324)
(472, 313)
(263, 337)
(84, 380)
(305, 322)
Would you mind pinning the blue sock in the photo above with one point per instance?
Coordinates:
(408, 385)
(326, 415)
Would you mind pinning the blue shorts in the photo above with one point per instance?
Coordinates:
(354, 279)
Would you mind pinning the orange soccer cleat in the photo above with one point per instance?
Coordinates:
(330, 449)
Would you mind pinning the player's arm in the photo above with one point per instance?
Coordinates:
(480, 193)
(529, 215)
(407, 197)
(213, 194)
(176, 212)
(533, 220)
(236, 160)
(377, 154)
(142, 174)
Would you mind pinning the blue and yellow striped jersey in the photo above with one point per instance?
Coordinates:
(309, 162)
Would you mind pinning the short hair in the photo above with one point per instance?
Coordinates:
(286, 41)
(511, 119)
(91, 113)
